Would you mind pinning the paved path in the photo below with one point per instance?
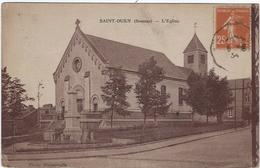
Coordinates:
(216, 149)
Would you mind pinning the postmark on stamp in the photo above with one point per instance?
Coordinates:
(232, 28)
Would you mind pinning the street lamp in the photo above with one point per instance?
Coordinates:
(40, 86)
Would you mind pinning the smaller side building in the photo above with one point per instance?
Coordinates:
(47, 115)
(240, 108)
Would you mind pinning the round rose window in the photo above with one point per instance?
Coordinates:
(77, 64)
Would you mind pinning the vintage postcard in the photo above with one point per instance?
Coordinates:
(130, 85)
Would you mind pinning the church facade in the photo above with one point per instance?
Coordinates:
(82, 71)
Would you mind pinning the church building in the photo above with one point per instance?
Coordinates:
(82, 71)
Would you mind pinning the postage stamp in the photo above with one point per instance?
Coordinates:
(232, 27)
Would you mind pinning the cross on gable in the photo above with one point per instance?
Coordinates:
(195, 27)
(77, 22)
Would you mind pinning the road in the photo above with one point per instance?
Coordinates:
(232, 150)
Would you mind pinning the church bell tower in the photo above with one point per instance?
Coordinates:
(196, 56)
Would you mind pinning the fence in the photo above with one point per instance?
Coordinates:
(21, 125)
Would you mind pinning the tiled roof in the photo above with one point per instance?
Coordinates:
(185, 71)
(130, 57)
(195, 45)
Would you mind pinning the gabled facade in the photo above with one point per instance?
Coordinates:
(79, 67)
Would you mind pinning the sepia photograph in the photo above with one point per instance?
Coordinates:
(130, 85)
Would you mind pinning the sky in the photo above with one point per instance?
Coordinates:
(35, 36)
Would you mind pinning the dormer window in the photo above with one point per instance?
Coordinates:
(190, 59)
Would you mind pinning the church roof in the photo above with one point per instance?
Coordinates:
(238, 83)
(185, 71)
(195, 45)
(129, 57)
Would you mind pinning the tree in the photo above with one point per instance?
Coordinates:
(6, 82)
(13, 95)
(208, 94)
(197, 96)
(114, 96)
(160, 105)
(150, 100)
(219, 96)
(18, 97)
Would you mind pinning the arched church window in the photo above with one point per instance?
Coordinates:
(62, 110)
(202, 59)
(80, 98)
(95, 104)
(163, 90)
(181, 96)
(79, 105)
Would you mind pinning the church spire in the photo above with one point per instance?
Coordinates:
(195, 55)
(195, 45)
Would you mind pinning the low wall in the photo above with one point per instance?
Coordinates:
(6, 141)
(140, 115)
(91, 121)
(151, 133)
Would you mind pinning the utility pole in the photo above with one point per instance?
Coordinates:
(13, 135)
(255, 59)
(89, 92)
(40, 86)
(248, 94)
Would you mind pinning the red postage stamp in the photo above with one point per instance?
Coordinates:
(232, 27)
